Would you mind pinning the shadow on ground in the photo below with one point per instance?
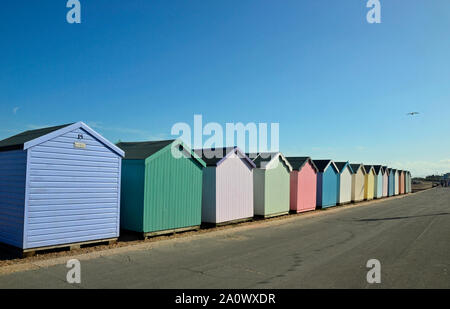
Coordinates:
(401, 218)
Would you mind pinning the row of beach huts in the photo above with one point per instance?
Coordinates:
(67, 185)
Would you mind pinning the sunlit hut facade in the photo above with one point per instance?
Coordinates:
(59, 186)
(378, 181)
(396, 181)
(385, 181)
(369, 182)
(401, 182)
(327, 183)
(303, 184)
(345, 182)
(227, 185)
(358, 182)
(391, 182)
(408, 182)
(405, 186)
(161, 187)
(271, 181)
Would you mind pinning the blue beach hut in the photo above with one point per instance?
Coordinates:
(59, 186)
(327, 183)
(391, 182)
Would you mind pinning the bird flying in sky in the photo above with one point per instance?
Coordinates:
(412, 113)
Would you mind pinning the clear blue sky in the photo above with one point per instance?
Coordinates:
(339, 87)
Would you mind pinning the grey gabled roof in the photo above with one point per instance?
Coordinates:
(368, 168)
(32, 138)
(355, 167)
(221, 153)
(342, 165)
(142, 150)
(254, 155)
(322, 165)
(262, 159)
(297, 163)
(265, 160)
(17, 141)
(215, 156)
(378, 168)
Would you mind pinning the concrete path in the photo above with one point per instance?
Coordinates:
(410, 236)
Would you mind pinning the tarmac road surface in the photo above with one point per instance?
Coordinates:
(409, 236)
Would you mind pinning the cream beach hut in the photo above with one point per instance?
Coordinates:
(358, 174)
(345, 182)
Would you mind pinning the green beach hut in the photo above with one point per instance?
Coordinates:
(161, 187)
(271, 184)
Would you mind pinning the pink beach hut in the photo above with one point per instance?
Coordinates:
(303, 184)
(401, 182)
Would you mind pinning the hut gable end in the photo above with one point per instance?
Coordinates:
(73, 180)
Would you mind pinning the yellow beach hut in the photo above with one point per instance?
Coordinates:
(369, 184)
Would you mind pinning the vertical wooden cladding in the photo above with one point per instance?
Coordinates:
(12, 196)
(369, 182)
(396, 182)
(303, 184)
(385, 181)
(161, 186)
(345, 182)
(358, 182)
(408, 182)
(271, 181)
(73, 193)
(259, 188)
(234, 190)
(391, 182)
(327, 183)
(173, 192)
(56, 193)
(227, 185)
(378, 181)
(276, 194)
(401, 182)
